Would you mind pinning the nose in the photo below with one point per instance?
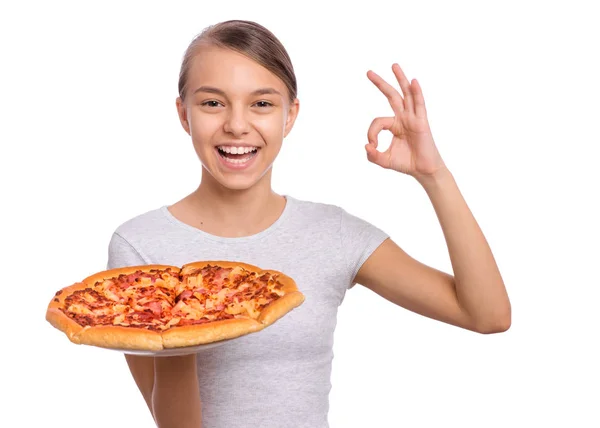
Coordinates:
(236, 122)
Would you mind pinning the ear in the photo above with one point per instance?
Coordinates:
(182, 112)
(292, 114)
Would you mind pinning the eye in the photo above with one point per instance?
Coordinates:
(263, 104)
(211, 103)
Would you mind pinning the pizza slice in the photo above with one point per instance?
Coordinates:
(223, 300)
(118, 308)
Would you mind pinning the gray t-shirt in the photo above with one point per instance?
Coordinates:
(280, 376)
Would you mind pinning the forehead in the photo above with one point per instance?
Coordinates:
(230, 71)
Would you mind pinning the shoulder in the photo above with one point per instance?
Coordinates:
(316, 211)
(352, 227)
(146, 223)
(329, 214)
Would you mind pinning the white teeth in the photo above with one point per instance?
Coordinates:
(236, 150)
(238, 161)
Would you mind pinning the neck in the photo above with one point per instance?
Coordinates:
(236, 212)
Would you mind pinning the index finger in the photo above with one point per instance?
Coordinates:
(393, 96)
(404, 85)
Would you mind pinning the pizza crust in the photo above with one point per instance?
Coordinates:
(118, 337)
(191, 335)
(111, 273)
(59, 320)
(278, 308)
(221, 263)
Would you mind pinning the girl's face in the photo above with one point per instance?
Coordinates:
(237, 113)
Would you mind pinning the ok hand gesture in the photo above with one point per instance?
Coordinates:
(412, 150)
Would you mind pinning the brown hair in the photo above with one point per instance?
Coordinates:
(250, 39)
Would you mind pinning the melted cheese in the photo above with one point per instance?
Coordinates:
(173, 321)
(246, 307)
(110, 294)
(119, 319)
(78, 308)
(250, 306)
(238, 270)
(193, 281)
(88, 298)
(121, 309)
(187, 270)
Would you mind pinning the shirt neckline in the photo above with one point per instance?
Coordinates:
(289, 205)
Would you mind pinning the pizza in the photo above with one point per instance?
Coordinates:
(157, 307)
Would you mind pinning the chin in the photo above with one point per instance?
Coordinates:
(235, 177)
(238, 183)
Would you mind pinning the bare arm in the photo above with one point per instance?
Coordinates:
(176, 394)
(474, 298)
(142, 370)
(170, 387)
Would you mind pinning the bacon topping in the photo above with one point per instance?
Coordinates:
(184, 295)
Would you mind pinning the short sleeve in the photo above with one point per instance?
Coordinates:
(122, 254)
(359, 240)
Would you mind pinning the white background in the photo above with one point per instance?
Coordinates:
(90, 138)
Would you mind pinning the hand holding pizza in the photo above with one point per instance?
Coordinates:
(412, 150)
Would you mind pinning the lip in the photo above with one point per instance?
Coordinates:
(235, 166)
(236, 145)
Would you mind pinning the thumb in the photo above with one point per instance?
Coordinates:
(375, 156)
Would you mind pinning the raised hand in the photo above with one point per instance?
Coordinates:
(412, 150)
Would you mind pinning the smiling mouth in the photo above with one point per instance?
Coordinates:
(237, 155)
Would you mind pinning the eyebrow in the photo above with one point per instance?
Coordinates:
(213, 90)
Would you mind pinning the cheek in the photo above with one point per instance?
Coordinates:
(271, 127)
(203, 127)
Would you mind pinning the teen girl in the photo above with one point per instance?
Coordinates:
(237, 101)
